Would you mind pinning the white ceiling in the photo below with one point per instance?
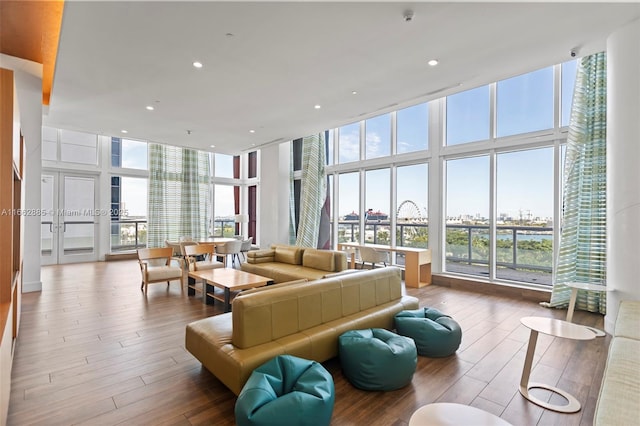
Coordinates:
(266, 64)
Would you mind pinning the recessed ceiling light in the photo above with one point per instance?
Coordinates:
(197, 64)
(252, 131)
(317, 106)
(433, 62)
(150, 108)
(212, 146)
(354, 93)
(124, 131)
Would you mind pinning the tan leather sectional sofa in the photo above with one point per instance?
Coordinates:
(619, 398)
(303, 319)
(285, 263)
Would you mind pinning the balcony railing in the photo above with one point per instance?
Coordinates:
(524, 253)
(127, 234)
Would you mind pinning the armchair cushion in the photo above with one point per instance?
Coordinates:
(162, 273)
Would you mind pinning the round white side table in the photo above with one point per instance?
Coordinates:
(450, 414)
(557, 328)
(575, 286)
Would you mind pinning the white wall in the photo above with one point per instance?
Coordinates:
(623, 173)
(273, 199)
(29, 91)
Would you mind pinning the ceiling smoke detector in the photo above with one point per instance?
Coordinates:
(408, 15)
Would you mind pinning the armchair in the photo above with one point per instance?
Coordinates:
(155, 266)
(204, 251)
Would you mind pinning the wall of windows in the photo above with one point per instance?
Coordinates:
(486, 162)
(120, 168)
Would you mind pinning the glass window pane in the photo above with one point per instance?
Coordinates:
(467, 223)
(569, 70)
(378, 136)
(524, 240)
(377, 206)
(134, 154)
(525, 103)
(348, 207)
(412, 219)
(78, 147)
(224, 211)
(224, 165)
(412, 128)
(349, 143)
(78, 219)
(468, 116)
(129, 213)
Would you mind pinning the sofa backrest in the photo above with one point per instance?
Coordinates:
(324, 260)
(288, 254)
(268, 315)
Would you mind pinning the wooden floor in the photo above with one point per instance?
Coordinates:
(94, 350)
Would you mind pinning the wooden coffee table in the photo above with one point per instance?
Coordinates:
(227, 279)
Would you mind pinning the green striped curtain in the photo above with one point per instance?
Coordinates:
(582, 253)
(313, 190)
(178, 194)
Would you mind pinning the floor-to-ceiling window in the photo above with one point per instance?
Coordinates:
(129, 182)
(495, 152)
(467, 216)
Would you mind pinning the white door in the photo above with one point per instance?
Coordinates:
(69, 225)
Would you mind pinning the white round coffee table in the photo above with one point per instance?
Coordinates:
(450, 414)
(575, 286)
(557, 328)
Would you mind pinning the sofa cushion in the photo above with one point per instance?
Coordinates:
(288, 254)
(619, 399)
(319, 259)
(628, 320)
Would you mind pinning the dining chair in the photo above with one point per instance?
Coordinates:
(155, 266)
(229, 248)
(177, 251)
(246, 246)
(372, 255)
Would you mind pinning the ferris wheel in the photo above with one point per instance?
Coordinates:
(408, 211)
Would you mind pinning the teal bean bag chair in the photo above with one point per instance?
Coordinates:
(377, 359)
(286, 390)
(436, 334)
